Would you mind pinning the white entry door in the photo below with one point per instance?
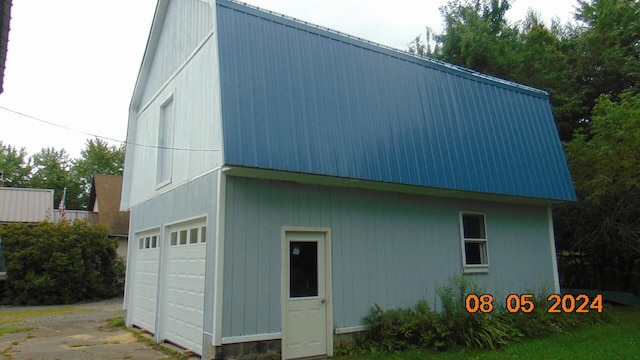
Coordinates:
(306, 290)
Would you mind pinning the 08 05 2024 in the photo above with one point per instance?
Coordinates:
(514, 303)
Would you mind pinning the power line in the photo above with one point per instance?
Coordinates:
(126, 143)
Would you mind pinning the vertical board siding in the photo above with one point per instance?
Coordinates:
(197, 142)
(26, 205)
(306, 100)
(185, 25)
(194, 199)
(387, 248)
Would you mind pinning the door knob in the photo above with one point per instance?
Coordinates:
(323, 301)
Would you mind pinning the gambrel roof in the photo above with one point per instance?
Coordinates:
(303, 99)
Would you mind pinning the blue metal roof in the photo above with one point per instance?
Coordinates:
(303, 99)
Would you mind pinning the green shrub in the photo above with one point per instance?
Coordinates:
(59, 263)
(454, 327)
(540, 322)
(454, 294)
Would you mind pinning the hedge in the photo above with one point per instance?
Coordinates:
(60, 263)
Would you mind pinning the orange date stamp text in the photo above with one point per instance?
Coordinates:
(515, 303)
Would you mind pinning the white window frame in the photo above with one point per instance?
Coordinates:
(147, 240)
(176, 231)
(484, 249)
(164, 159)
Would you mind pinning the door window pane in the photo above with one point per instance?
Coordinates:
(303, 269)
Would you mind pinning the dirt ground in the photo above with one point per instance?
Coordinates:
(80, 333)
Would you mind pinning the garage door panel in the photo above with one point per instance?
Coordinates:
(184, 293)
(145, 281)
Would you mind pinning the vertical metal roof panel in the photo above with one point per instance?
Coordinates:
(25, 205)
(303, 99)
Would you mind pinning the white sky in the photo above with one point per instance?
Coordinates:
(74, 62)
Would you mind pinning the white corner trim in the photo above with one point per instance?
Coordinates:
(351, 329)
(218, 273)
(554, 255)
(211, 3)
(250, 338)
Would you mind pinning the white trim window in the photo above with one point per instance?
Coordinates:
(188, 235)
(475, 252)
(165, 143)
(148, 242)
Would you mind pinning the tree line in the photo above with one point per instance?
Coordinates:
(591, 69)
(55, 169)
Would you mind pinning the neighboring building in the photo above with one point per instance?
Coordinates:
(20, 205)
(25, 205)
(283, 178)
(104, 201)
(73, 215)
(5, 19)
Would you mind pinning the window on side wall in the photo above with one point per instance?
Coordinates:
(165, 143)
(475, 254)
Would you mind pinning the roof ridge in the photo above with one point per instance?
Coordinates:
(423, 59)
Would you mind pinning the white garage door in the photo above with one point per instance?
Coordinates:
(146, 281)
(184, 293)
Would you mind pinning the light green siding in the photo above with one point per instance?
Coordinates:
(387, 248)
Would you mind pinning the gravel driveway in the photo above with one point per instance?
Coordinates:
(81, 333)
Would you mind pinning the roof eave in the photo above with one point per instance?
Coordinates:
(325, 180)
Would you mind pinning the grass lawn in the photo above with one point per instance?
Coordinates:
(618, 340)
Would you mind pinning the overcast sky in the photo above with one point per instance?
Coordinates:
(74, 62)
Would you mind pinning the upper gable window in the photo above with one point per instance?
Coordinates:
(475, 254)
(165, 143)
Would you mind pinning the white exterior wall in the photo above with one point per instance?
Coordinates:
(182, 64)
(149, 271)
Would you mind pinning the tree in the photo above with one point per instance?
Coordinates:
(98, 157)
(478, 36)
(603, 57)
(600, 235)
(51, 171)
(605, 158)
(607, 54)
(543, 61)
(14, 166)
(423, 48)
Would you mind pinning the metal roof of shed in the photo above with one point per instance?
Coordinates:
(25, 205)
(304, 99)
